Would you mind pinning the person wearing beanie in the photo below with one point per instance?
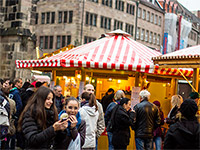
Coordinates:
(195, 96)
(185, 133)
(157, 133)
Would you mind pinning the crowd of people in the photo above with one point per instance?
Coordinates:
(37, 117)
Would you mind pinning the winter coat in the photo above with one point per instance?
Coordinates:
(36, 137)
(173, 116)
(147, 119)
(15, 95)
(106, 100)
(108, 112)
(59, 104)
(121, 122)
(158, 131)
(12, 129)
(63, 138)
(100, 121)
(26, 95)
(183, 134)
(90, 115)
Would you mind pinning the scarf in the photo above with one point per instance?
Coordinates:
(78, 117)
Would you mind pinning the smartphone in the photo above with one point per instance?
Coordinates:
(63, 119)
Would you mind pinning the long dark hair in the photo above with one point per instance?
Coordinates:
(36, 107)
(91, 98)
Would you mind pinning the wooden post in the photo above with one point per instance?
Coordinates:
(195, 79)
(54, 76)
(174, 86)
(137, 79)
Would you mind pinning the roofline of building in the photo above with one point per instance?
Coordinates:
(148, 4)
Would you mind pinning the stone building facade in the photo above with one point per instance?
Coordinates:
(76, 22)
(53, 24)
(16, 36)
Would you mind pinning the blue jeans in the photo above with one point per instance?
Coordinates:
(142, 144)
(96, 143)
(158, 142)
(110, 140)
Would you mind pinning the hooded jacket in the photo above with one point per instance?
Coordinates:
(15, 95)
(183, 134)
(90, 115)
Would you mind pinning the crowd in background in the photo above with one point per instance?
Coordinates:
(33, 116)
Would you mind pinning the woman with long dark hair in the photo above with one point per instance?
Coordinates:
(89, 113)
(38, 121)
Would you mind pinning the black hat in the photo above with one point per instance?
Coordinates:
(188, 108)
(194, 95)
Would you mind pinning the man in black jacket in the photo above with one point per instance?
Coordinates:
(184, 134)
(147, 119)
(59, 97)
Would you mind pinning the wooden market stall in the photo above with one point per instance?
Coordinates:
(184, 58)
(115, 61)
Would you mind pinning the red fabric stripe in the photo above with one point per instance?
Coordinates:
(112, 49)
(121, 67)
(95, 53)
(130, 67)
(103, 51)
(147, 68)
(87, 64)
(119, 50)
(138, 68)
(126, 54)
(112, 66)
(71, 62)
(96, 65)
(105, 65)
(79, 63)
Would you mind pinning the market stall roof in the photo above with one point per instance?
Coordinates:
(114, 51)
(185, 58)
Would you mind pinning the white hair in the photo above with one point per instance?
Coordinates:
(119, 94)
(144, 94)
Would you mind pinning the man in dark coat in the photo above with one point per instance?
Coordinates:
(147, 119)
(107, 99)
(185, 133)
(59, 97)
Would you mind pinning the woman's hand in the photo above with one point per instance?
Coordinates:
(59, 125)
(73, 121)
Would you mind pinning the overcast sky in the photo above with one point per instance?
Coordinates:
(190, 4)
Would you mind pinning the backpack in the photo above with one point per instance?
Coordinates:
(4, 117)
(111, 123)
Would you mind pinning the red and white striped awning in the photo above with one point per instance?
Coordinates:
(187, 53)
(116, 51)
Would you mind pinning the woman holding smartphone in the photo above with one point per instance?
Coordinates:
(38, 121)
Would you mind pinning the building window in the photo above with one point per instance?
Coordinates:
(139, 12)
(91, 19)
(96, 1)
(107, 3)
(69, 39)
(41, 42)
(148, 16)
(52, 17)
(36, 18)
(155, 19)
(43, 18)
(152, 15)
(58, 42)
(146, 35)
(51, 42)
(63, 41)
(130, 9)
(159, 21)
(144, 14)
(138, 33)
(46, 42)
(88, 39)
(105, 22)
(150, 37)
(154, 38)
(118, 25)
(158, 39)
(65, 16)
(129, 29)
(119, 5)
(142, 35)
(60, 17)
(48, 17)
(70, 16)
